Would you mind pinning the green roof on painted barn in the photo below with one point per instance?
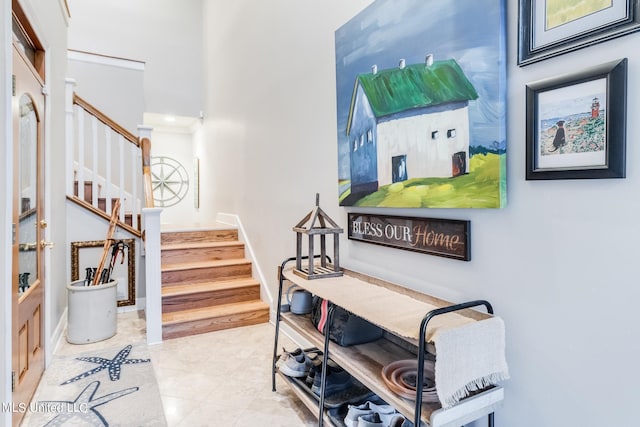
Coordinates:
(414, 86)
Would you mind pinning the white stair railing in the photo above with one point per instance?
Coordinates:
(103, 162)
(113, 163)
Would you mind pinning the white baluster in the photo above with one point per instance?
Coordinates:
(94, 152)
(121, 143)
(135, 168)
(69, 134)
(81, 139)
(107, 156)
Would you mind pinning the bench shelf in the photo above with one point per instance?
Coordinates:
(365, 361)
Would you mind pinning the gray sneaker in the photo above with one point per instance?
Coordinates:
(355, 412)
(368, 408)
(294, 364)
(370, 420)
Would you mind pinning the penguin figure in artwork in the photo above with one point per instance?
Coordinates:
(559, 140)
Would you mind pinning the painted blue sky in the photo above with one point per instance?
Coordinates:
(471, 32)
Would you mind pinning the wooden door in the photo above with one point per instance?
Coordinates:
(28, 223)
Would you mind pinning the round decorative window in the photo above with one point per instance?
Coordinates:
(169, 180)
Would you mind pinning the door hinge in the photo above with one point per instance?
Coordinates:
(13, 85)
(13, 381)
(13, 234)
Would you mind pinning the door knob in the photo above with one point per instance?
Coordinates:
(45, 244)
(43, 223)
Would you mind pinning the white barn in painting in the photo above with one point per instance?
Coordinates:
(409, 122)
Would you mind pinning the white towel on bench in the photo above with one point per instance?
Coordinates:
(468, 358)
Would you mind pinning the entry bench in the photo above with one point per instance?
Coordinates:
(397, 308)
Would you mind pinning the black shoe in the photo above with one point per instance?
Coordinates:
(337, 380)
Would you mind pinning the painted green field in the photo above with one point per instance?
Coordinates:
(560, 12)
(482, 187)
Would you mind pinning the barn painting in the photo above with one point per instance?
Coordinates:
(421, 105)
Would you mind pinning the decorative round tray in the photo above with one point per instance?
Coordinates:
(400, 376)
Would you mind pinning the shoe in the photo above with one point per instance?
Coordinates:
(355, 412)
(395, 420)
(367, 408)
(370, 420)
(316, 367)
(294, 364)
(337, 380)
(405, 423)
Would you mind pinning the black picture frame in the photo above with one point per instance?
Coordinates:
(593, 144)
(538, 40)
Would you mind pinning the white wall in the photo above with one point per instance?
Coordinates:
(558, 263)
(166, 35)
(114, 87)
(178, 145)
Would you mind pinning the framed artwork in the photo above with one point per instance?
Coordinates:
(552, 27)
(576, 124)
(421, 90)
(87, 254)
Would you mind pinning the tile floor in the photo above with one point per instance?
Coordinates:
(217, 379)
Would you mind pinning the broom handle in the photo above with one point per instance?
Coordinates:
(107, 242)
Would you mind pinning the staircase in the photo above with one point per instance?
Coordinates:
(207, 283)
(195, 281)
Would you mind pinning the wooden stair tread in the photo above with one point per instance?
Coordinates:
(200, 245)
(191, 288)
(195, 314)
(203, 264)
(195, 236)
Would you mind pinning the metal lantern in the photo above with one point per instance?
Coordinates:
(317, 223)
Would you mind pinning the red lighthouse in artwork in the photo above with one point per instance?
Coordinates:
(595, 108)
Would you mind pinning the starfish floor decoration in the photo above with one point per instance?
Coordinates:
(114, 365)
(83, 410)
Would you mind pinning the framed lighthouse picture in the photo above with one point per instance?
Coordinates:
(576, 124)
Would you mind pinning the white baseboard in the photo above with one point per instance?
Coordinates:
(229, 219)
(58, 333)
(234, 220)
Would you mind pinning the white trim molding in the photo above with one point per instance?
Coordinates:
(234, 220)
(94, 58)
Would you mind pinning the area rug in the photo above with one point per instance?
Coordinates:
(114, 387)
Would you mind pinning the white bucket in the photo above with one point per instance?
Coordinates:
(91, 312)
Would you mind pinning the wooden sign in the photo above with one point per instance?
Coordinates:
(441, 237)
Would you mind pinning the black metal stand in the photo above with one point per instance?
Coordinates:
(325, 361)
(278, 312)
(327, 333)
(422, 349)
(278, 309)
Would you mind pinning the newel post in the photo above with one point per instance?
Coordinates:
(144, 139)
(153, 309)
